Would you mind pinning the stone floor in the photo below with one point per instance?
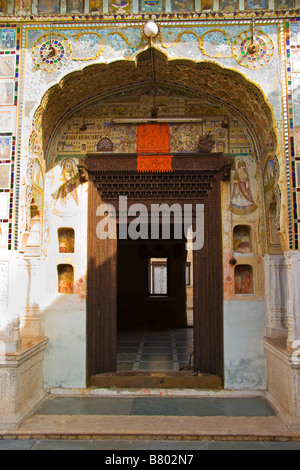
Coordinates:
(142, 445)
(132, 422)
(158, 350)
(152, 420)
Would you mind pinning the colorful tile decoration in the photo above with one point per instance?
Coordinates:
(9, 170)
(120, 7)
(51, 51)
(263, 53)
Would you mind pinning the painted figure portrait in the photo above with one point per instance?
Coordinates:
(74, 6)
(66, 240)
(7, 66)
(7, 119)
(95, 6)
(243, 279)
(229, 5)
(48, 6)
(4, 176)
(242, 200)
(151, 5)
(5, 148)
(256, 4)
(65, 279)
(241, 239)
(284, 4)
(120, 6)
(6, 92)
(7, 39)
(182, 5)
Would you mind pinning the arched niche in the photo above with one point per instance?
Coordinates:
(242, 239)
(66, 240)
(243, 279)
(272, 203)
(65, 274)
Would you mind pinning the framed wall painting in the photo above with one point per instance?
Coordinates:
(75, 6)
(7, 92)
(3, 236)
(7, 39)
(4, 205)
(7, 66)
(7, 118)
(4, 176)
(256, 4)
(48, 6)
(5, 147)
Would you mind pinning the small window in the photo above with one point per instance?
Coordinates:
(158, 276)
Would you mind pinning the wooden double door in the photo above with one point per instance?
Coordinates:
(193, 182)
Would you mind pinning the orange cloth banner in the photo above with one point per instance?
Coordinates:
(155, 139)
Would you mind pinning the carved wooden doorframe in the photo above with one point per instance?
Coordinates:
(194, 179)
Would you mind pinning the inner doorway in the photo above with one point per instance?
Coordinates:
(154, 332)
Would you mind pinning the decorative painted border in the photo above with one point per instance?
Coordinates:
(196, 15)
(293, 210)
(14, 159)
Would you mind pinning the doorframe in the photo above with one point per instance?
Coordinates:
(200, 178)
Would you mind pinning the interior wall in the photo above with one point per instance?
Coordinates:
(136, 308)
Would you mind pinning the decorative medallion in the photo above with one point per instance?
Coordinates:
(51, 52)
(253, 50)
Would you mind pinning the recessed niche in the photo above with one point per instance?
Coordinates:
(242, 239)
(34, 239)
(65, 278)
(66, 240)
(243, 279)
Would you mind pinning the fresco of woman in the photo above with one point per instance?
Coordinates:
(242, 200)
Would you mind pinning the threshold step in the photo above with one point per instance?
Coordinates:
(156, 380)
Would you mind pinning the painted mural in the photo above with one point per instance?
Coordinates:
(52, 60)
(51, 7)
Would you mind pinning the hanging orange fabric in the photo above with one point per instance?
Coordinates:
(153, 139)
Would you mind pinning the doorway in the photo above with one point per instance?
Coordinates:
(116, 298)
(153, 333)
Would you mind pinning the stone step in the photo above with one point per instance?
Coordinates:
(217, 428)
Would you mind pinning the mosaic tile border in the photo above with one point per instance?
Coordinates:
(14, 156)
(293, 210)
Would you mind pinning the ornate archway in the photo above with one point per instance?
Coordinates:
(91, 88)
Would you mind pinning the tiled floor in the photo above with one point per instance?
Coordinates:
(157, 350)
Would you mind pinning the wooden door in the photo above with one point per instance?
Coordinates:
(194, 180)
